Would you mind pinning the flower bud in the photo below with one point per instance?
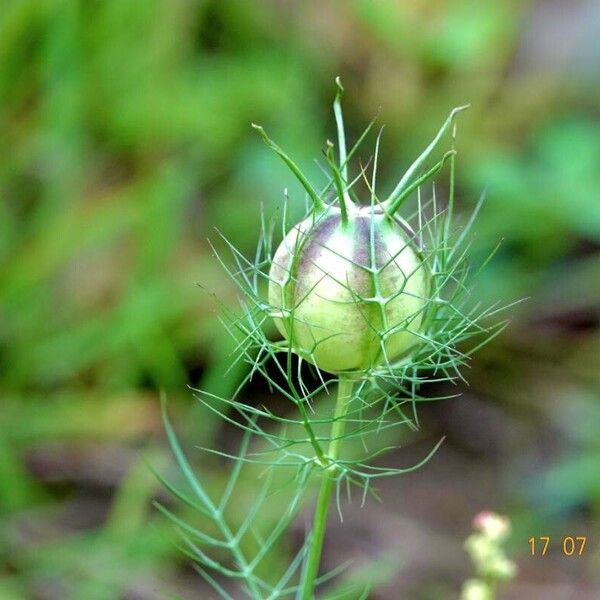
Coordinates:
(474, 589)
(492, 525)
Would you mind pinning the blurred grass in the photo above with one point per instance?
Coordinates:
(125, 138)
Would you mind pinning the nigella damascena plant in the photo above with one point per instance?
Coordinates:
(373, 295)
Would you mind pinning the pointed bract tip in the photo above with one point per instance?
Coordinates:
(263, 133)
(460, 108)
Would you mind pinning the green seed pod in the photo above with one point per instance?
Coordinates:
(351, 292)
(349, 286)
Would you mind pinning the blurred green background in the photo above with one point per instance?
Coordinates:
(125, 140)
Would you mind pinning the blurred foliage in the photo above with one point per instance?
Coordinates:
(125, 139)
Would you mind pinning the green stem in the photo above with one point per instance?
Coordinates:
(317, 535)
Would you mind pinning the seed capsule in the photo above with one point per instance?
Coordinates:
(348, 286)
(352, 291)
